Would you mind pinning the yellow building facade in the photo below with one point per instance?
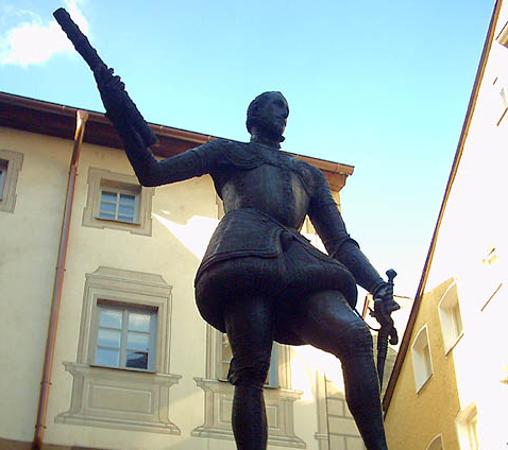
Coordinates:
(109, 265)
(449, 386)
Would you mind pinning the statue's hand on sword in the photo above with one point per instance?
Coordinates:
(385, 305)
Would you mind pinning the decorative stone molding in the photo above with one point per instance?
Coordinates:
(118, 398)
(218, 399)
(336, 426)
(12, 161)
(101, 178)
(279, 411)
(122, 398)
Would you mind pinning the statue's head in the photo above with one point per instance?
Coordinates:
(267, 115)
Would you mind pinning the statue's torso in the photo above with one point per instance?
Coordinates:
(266, 195)
(269, 181)
(274, 191)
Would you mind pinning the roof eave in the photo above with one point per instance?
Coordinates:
(56, 120)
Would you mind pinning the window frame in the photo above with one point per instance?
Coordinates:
(125, 309)
(4, 165)
(98, 394)
(101, 180)
(449, 311)
(502, 98)
(125, 288)
(420, 355)
(467, 427)
(11, 163)
(502, 36)
(435, 440)
(119, 192)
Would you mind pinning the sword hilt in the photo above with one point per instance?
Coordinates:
(391, 274)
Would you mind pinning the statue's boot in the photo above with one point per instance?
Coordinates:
(249, 417)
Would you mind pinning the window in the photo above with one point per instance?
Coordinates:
(125, 323)
(467, 428)
(451, 321)
(3, 175)
(117, 201)
(118, 205)
(502, 37)
(125, 337)
(422, 363)
(501, 100)
(10, 166)
(224, 358)
(436, 443)
(472, 432)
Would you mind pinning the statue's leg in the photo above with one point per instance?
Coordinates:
(326, 321)
(249, 325)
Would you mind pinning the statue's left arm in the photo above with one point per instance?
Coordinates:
(330, 227)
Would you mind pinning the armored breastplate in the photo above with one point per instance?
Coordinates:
(272, 183)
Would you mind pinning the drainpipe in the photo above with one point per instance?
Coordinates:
(42, 409)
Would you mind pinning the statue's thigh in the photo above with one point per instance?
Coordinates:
(249, 324)
(327, 321)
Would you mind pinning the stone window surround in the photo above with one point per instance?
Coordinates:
(422, 334)
(448, 319)
(465, 424)
(14, 162)
(502, 37)
(434, 441)
(100, 178)
(122, 398)
(3, 175)
(336, 426)
(219, 399)
(502, 95)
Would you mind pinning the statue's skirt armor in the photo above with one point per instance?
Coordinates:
(282, 266)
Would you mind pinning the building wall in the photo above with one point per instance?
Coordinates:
(415, 417)
(183, 217)
(29, 244)
(182, 214)
(471, 251)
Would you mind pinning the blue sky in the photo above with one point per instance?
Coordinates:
(383, 86)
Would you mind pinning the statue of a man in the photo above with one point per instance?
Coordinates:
(260, 280)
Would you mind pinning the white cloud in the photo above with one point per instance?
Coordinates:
(31, 41)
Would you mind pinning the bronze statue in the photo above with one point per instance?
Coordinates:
(260, 280)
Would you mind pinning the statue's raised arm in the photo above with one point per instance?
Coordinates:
(135, 133)
(97, 65)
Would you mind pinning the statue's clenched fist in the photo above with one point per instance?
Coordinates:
(383, 300)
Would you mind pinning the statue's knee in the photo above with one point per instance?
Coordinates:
(357, 340)
(253, 374)
(364, 339)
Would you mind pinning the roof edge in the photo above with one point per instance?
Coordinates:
(171, 140)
